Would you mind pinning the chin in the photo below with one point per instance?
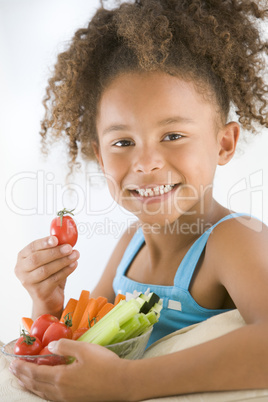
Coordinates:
(157, 223)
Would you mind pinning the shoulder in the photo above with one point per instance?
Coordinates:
(238, 238)
(237, 253)
(238, 233)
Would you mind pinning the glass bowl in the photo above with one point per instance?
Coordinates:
(130, 349)
(51, 359)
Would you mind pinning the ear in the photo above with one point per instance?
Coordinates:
(97, 152)
(228, 137)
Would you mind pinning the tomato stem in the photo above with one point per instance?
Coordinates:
(92, 321)
(63, 212)
(68, 320)
(27, 338)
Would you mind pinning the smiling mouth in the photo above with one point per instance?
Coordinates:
(154, 191)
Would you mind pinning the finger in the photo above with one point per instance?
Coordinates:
(81, 351)
(53, 268)
(47, 256)
(66, 347)
(31, 370)
(40, 244)
(58, 278)
(37, 379)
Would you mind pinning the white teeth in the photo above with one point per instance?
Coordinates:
(150, 192)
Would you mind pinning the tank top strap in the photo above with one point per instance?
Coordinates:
(187, 266)
(131, 250)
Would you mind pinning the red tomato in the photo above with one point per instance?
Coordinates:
(64, 228)
(56, 331)
(27, 345)
(79, 332)
(52, 360)
(41, 324)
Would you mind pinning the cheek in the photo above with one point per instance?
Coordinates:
(114, 166)
(115, 170)
(197, 165)
(115, 163)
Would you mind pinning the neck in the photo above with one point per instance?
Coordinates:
(169, 239)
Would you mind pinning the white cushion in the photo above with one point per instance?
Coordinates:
(197, 334)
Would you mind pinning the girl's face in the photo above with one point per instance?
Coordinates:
(158, 145)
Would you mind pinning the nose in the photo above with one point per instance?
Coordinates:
(148, 160)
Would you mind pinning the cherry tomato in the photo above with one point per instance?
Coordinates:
(64, 228)
(27, 345)
(52, 360)
(41, 324)
(78, 332)
(56, 331)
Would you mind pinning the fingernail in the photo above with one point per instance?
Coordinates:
(51, 241)
(52, 346)
(66, 249)
(73, 255)
(12, 368)
(21, 383)
(73, 264)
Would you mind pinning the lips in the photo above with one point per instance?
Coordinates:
(154, 191)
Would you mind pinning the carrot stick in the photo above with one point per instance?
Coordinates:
(69, 309)
(79, 309)
(90, 312)
(118, 298)
(104, 310)
(27, 323)
(101, 301)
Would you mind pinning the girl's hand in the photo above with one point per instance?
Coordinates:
(43, 267)
(96, 375)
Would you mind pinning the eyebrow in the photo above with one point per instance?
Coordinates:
(175, 119)
(116, 127)
(161, 123)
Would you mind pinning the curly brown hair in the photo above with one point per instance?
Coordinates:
(216, 43)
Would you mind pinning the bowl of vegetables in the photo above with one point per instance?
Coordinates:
(130, 349)
(125, 329)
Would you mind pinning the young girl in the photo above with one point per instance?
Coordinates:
(146, 89)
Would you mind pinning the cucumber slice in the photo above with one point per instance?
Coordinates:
(150, 301)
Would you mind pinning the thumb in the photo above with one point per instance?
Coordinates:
(78, 350)
(65, 347)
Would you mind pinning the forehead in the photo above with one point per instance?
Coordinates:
(151, 95)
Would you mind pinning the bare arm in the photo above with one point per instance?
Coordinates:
(234, 361)
(238, 360)
(43, 267)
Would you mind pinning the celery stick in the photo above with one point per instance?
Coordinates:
(104, 338)
(154, 313)
(128, 310)
(119, 337)
(130, 327)
(144, 325)
(121, 313)
(152, 317)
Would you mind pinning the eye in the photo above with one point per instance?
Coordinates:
(172, 137)
(123, 143)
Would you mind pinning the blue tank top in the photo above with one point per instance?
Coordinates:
(179, 308)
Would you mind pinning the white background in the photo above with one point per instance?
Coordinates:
(32, 33)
